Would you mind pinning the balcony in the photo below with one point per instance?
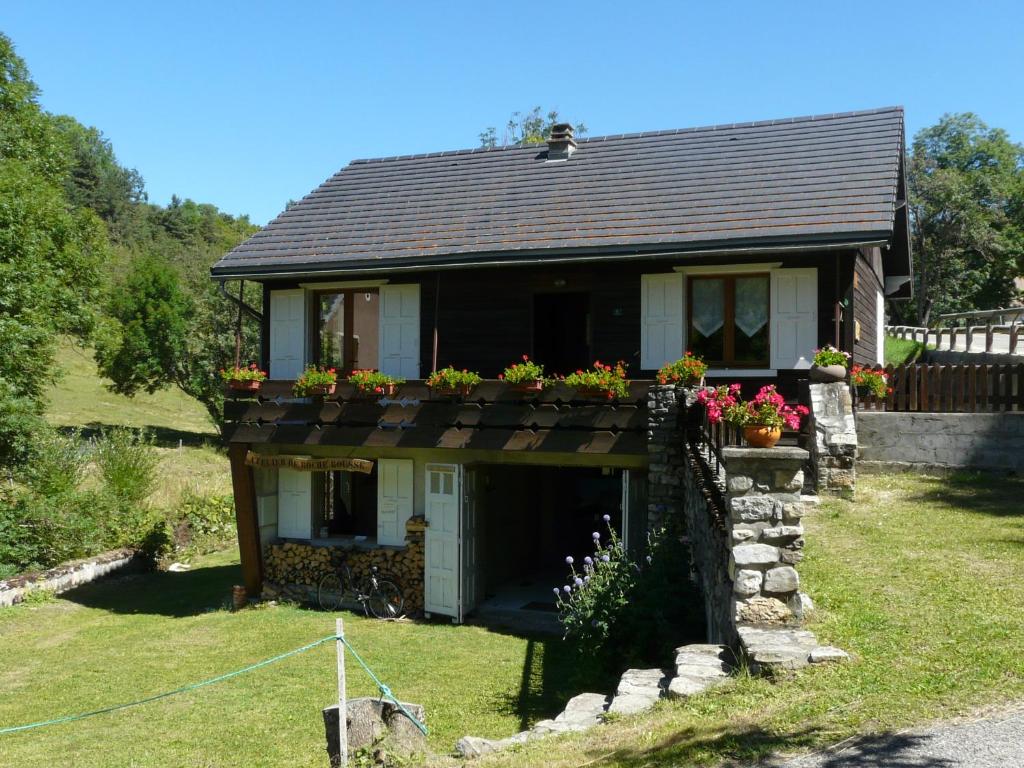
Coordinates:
(495, 416)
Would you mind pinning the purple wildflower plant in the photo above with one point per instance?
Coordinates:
(578, 582)
(607, 518)
(588, 560)
(569, 560)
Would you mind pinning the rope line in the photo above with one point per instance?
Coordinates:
(220, 678)
(384, 690)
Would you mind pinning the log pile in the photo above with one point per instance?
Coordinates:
(294, 564)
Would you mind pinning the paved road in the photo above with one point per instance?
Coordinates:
(995, 741)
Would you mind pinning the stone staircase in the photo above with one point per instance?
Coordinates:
(697, 668)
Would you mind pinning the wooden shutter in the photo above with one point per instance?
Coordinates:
(294, 504)
(400, 330)
(287, 334)
(661, 319)
(794, 317)
(394, 500)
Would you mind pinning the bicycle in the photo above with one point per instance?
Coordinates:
(380, 597)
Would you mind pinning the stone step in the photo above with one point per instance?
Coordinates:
(638, 690)
(699, 667)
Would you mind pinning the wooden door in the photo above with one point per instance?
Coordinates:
(442, 510)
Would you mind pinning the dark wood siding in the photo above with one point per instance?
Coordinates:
(485, 316)
(864, 305)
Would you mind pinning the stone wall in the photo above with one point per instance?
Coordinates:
(666, 460)
(67, 575)
(834, 450)
(766, 534)
(941, 441)
(293, 570)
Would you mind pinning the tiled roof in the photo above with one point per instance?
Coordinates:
(829, 178)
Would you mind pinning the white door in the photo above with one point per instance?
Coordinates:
(287, 334)
(661, 324)
(794, 317)
(400, 330)
(294, 504)
(472, 540)
(442, 511)
(394, 500)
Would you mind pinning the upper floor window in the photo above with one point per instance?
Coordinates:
(347, 329)
(729, 319)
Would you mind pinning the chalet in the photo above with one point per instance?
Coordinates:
(749, 244)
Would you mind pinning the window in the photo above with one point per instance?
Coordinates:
(728, 322)
(347, 329)
(349, 503)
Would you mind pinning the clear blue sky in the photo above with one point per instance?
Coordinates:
(248, 104)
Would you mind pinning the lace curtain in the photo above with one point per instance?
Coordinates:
(751, 304)
(708, 306)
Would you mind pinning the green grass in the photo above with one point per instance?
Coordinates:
(919, 580)
(127, 638)
(81, 400)
(902, 351)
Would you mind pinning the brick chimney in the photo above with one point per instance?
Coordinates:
(561, 143)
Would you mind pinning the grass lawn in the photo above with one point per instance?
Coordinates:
(81, 400)
(900, 351)
(919, 579)
(127, 638)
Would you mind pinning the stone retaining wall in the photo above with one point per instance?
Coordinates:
(834, 450)
(929, 441)
(66, 576)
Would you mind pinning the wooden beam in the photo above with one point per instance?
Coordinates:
(244, 486)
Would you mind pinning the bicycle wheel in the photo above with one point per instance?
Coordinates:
(385, 600)
(330, 592)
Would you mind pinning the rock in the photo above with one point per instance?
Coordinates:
(801, 604)
(755, 554)
(373, 722)
(762, 610)
(638, 690)
(774, 650)
(782, 579)
(827, 653)
(781, 533)
(698, 667)
(788, 480)
(583, 711)
(471, 747)
(747, 582)
(752, 509)
(739, 535)
(739, 483)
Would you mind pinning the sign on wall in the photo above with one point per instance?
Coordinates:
(307, 464)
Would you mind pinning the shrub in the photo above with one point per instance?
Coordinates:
(203, 523)
(127, 464)
(875, 381)
(58, 463)
(618, 612)
(21, 426)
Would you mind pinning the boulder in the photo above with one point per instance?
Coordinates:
(638, 689)
(782, 579)
(762, 610)
(747, 582)
(755, 554)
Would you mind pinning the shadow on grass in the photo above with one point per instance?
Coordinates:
(980, 492)
(163, 437)
(161, 593)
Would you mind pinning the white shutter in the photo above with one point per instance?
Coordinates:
(287, 333)
(394, 499)
(294, 504)
(400, 330)
(794, 317)
(661, 319)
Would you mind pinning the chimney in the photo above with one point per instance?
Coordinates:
(561, 143)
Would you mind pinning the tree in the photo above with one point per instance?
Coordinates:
(50, 255)
(967, 213)
(529, 128)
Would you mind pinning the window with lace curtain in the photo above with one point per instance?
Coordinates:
(729, 320)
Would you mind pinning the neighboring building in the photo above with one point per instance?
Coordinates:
(750, 244)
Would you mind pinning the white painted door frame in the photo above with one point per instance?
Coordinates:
(443, 540)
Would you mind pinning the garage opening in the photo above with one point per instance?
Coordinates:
(531, 519)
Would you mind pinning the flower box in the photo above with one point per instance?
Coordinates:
(461, 391)
(529, 386)
(595, 393)
(320, 390)
(382, 390)
(244, 385)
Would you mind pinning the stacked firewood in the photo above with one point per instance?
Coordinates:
(294, 563)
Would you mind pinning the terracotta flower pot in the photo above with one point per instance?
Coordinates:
(244, 385)
(758, 436)
(593, 392)
(826, 374)
(321, 390)
(452, 391)
(529, 386)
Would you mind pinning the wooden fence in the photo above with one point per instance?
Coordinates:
(950, 389)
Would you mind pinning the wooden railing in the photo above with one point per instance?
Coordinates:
(950, 389)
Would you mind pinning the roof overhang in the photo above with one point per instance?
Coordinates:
(545, 257)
